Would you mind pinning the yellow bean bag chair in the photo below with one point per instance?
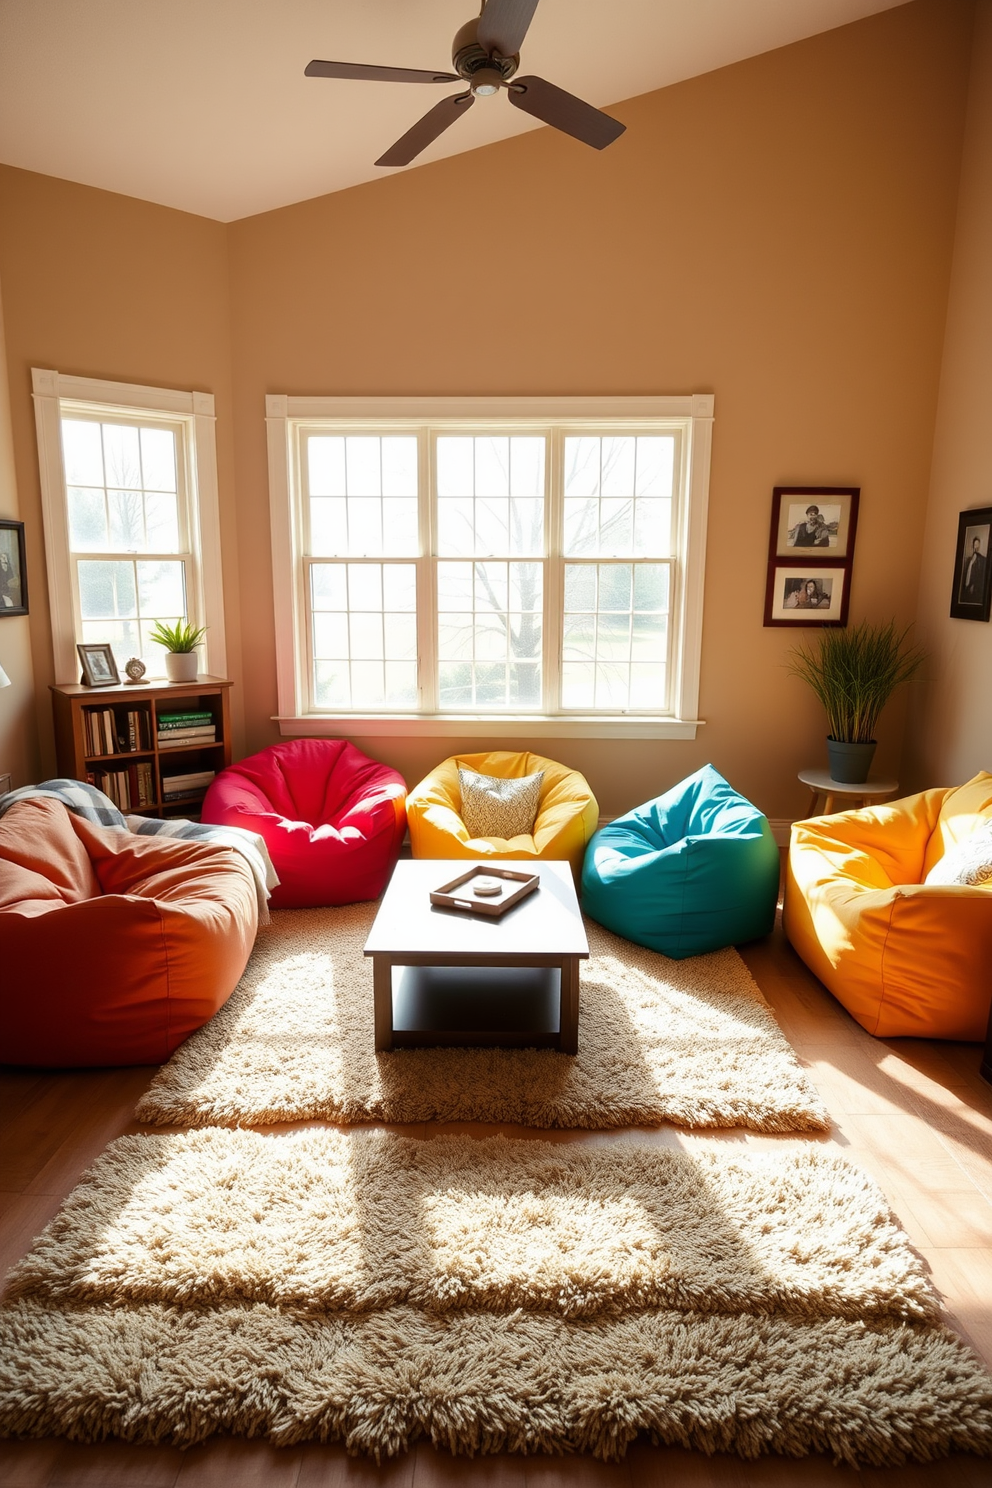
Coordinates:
(567, 813)
(906, 958)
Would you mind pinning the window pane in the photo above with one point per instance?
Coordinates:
(399, 466)
(122, 456)
(158, 459)
(363, 495)
(329, 588)
(87, 519)
(162, 523)
(490, 495)
(127, 521)
(161, 589)
(325, 465)
(615, 636)
(107, 590)
(618, 495)
(362, 466)
(82, 451)
(364, 635)
(490, 635)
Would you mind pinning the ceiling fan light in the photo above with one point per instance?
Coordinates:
(486, 82)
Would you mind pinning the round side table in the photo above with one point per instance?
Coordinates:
(851, 796)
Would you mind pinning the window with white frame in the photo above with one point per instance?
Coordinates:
(482, 563)
(130, 509)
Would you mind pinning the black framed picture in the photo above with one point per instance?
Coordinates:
(804, 595)
(13, 569)
(99, 666)
(971, 591)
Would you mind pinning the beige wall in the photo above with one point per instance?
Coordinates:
(778, 232)
(100, 285)
(950, 734)
(18, 734)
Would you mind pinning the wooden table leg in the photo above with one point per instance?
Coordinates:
(382, 1002)
(814, 796)
(568, 1027)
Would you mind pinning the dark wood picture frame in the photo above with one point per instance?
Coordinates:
(811, 555)
(13, 569)
(971, 589)
(99, 665)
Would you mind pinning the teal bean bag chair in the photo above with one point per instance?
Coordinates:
(690, 872)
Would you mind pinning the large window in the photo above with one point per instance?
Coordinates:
(129, 491)
(507, 565)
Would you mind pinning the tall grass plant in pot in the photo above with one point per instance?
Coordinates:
(854, 672)
(180, 642)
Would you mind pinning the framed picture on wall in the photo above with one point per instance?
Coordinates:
(807, 595)
(814, 521)
(971, 590)
(13, 570)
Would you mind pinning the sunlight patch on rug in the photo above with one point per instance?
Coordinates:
(488, 1295)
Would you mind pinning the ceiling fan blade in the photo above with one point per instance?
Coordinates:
(434, 122)
(362, 73)
(564, 111)
(504, 24)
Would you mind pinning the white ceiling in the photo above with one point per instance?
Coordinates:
(202, 104)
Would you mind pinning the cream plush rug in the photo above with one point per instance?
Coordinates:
(488, 1295)
(685, 1041)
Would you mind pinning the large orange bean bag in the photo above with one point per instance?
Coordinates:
(333, 820)
(113, 947)
(567, 813)
(906, 958)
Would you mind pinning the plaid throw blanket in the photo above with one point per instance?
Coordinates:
(91, 804)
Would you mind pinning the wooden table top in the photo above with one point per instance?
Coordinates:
(548, 921)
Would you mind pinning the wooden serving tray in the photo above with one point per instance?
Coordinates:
(493, 905)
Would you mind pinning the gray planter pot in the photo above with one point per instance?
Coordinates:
(849, 763)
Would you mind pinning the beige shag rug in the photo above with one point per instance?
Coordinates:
(686, 1041)
(488, 1295)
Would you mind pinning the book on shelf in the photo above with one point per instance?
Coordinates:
(109, 732)
(187, 738)
(184, 720)
(188, 782)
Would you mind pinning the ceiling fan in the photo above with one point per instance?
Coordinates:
(484, 54)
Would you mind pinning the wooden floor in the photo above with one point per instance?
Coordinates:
(916, 1115)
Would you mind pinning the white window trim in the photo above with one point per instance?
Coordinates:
(284, 413)
(55, 393)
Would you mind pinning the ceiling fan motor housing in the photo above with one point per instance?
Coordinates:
(468, 57)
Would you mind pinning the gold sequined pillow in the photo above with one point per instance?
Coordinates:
(493, 807)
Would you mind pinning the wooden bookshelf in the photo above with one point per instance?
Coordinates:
(136, 709)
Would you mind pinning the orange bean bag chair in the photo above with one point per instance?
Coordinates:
(333, 820)
(906, 958)
(567, 813)
(113, 947)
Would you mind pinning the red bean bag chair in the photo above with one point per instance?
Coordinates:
(333, 820)
(113, 947)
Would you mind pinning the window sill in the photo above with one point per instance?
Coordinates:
(472, 726)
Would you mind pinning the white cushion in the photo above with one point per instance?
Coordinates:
(970, 862)
(493, 807)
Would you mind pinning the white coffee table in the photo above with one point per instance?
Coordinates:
(821, 783)
(446, 976)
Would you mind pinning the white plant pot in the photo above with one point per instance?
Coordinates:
(181, 666)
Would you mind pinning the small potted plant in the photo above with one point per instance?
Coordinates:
(854, 672)
(180, 642)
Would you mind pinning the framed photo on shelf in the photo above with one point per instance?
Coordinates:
(99, 666)
(13, 569)
(971, 590)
